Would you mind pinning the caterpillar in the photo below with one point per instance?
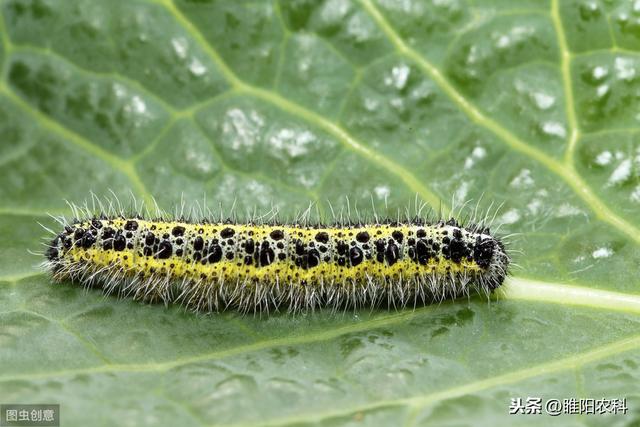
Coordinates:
(256, 266)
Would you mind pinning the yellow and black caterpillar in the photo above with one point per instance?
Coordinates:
(212, 266)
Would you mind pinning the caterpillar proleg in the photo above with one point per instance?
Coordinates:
(213, 265)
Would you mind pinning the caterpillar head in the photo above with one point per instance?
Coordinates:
(490, 254)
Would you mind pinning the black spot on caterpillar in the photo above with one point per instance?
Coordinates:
(214, 265)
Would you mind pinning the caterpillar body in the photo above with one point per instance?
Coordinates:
(212, 266)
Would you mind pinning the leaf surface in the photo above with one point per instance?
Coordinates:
(531, 106)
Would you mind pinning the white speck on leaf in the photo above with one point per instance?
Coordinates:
(196, 67)
(398, 76)
(477, 153)
(138, 105)
(461, 192)
(522, 180)
(543, 101)
(602, 90)
(243, 130)
(602, 253)
(360, 28)
(473, 55)
(397, 103)
(534, 206)
(621, 173)
(304, 64)
(555, 129)
(510, 217)
(371, 104)
(503, 41)
(199, 161)
(514, 36)
(625, 69)
(566, 209)
(604, 158)
(382, 191)
(423, 90)
(179, 46)
(292, 143)
(119, 90)
(599, 72)
(334, 11)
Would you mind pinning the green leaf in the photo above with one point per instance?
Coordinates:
(532, 107)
